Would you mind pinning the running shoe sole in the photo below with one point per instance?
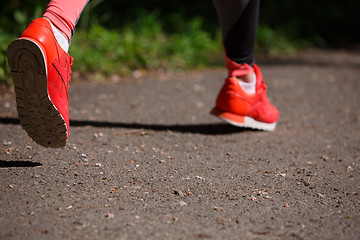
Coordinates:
(242, 121)
(37, 114)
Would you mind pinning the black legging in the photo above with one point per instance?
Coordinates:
(238, 20)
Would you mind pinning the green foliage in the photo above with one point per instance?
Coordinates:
(16, 14)
(5, 39)
(274, 43)
(144, 44)
(195, 47)
(322, 22)
(120, 36)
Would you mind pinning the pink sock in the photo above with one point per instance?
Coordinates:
(64, 14)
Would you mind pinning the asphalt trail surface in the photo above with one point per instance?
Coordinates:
(145, 160)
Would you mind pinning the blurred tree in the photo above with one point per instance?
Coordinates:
(323, 22)
(15, 14)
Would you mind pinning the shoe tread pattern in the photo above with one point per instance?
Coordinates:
(37, 114)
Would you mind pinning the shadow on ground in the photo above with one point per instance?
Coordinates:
(207, 129)
(7, 164)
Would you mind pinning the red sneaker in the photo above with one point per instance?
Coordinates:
(41, 72)
(235, 106)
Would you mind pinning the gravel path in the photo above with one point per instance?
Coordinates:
(145, 160)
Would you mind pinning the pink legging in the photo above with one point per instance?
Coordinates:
(64, 14)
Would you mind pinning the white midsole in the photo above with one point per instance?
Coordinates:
(252, 123)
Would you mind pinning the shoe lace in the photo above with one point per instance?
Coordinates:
(71, 62)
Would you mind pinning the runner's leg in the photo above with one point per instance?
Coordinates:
(238, 21)
(64, 14)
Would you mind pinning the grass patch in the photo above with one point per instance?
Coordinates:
(5, 40)
(273, 43)
(145, 44)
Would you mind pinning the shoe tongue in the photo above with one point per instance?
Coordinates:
(236, 69)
